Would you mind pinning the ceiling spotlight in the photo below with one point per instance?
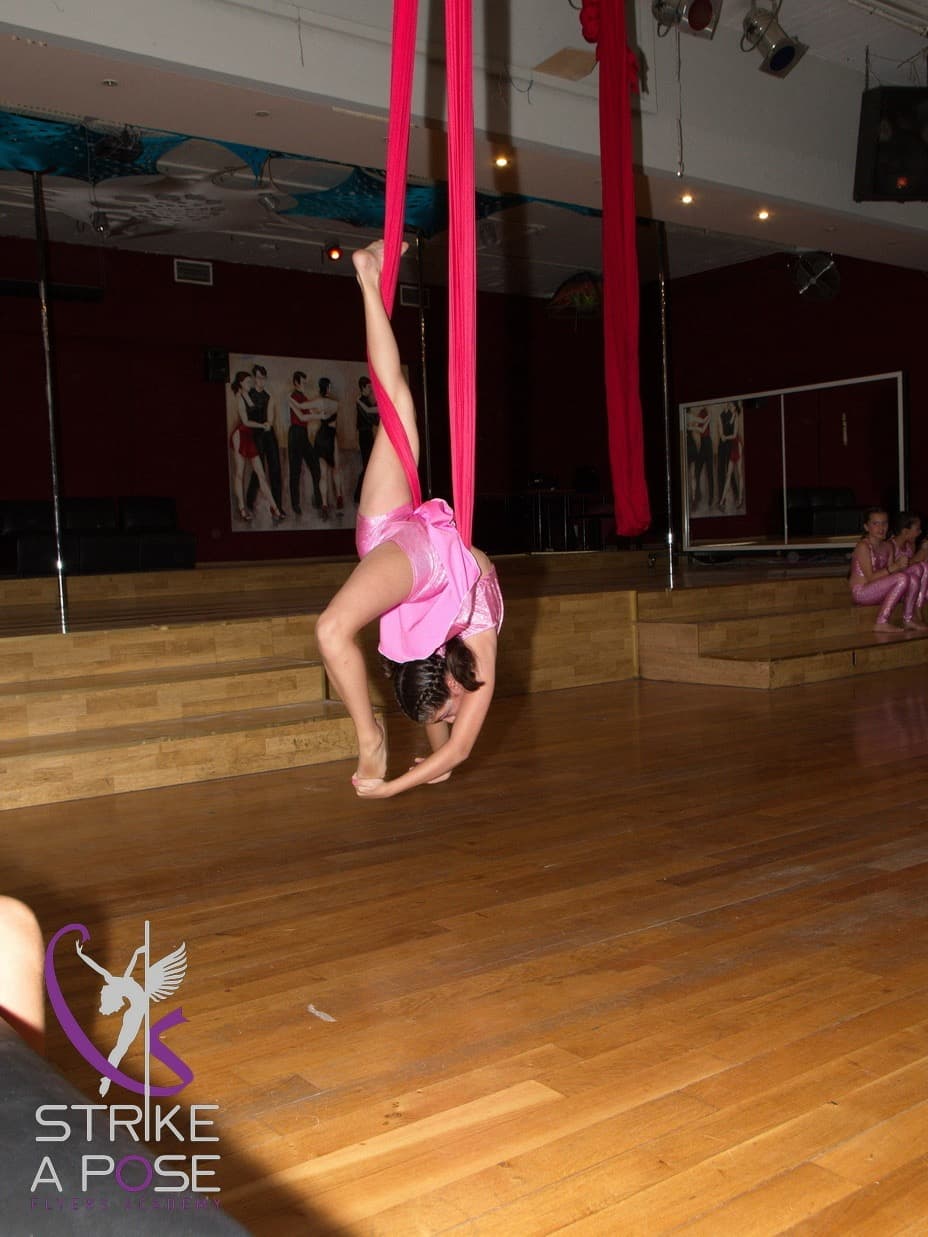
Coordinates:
(692, 16)
(333, 252)
(762, 31)
(763, 214)
(501, 161)
(687, 199)
(100, 223)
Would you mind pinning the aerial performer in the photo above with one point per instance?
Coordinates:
(438, 602)
(437, 598)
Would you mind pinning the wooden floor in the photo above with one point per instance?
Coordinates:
(653, 962)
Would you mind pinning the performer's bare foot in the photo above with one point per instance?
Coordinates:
(368, 263)
(887, 629)
(372, 759)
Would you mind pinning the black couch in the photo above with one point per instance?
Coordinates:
(823, 511)
(99, 536)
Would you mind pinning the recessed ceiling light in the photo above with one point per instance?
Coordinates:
(502, 161)
(109, 81)
(687, 199)
(262, 115)
(763, 214)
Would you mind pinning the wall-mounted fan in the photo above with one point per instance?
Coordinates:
(816, 275)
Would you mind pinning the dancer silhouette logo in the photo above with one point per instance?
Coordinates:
(141, 984)
(103, 1134)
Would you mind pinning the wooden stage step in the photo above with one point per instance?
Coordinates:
(97, 712)
(766, 636)
(213, 673)
(54, 768)
(93, 702)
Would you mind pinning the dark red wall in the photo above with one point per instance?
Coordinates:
(746, 328)
(137, 415)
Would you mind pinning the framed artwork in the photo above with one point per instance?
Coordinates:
(299, 432)
(819, 455)
(715, 459)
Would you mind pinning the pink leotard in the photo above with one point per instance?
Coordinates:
(920, 569)
(448, 596)
(889, 590)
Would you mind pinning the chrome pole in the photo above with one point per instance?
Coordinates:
(41, 236)
(665, 390)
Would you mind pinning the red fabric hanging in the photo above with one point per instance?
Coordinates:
(462, 249)
(462, 261)
(405, 15)
(603, 22)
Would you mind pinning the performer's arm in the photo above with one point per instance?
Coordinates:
(472, 710)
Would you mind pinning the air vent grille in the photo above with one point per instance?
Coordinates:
(188, 271)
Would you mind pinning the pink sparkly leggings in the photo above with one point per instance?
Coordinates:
(889, 591)
(922, 571)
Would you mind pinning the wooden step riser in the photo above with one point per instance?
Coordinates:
(28, 714)
(327, 574)
(120, 650)
(675, 666)
(742, 599)
(666, 666)
(139, 586)
(547, 644)
(746, 633)
(170, 761)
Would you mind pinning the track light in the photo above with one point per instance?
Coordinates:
(692, 16)
(333, 252)
(100, 223)
(780, 52)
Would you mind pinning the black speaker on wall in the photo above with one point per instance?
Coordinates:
(217, 365)
(892, 145)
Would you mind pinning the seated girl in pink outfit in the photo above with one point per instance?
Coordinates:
(438, 602)
(879, 578)
(905, 543)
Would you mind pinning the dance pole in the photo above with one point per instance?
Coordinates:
(426, 439)
(665, 390)
(41, 236)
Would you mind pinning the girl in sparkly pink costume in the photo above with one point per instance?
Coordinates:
(438, 602)
(904, 548)
(877, 578)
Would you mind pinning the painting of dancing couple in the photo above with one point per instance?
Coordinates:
(714, 436)
(299, 434)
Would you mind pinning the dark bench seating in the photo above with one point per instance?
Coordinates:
(100, 536)
(823, 511)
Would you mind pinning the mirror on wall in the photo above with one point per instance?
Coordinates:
(791, 468)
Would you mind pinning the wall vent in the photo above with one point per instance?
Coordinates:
(409, 296)
(188, 271)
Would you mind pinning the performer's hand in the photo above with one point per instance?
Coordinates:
(371, 788)
(443, 777)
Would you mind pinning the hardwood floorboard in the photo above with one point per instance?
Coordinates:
(651, 962)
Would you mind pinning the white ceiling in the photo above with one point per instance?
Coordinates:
(204, 211)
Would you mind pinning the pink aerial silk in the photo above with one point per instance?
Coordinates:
(462, 257)
(462, 261)
(405, 14)
(603, 22)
